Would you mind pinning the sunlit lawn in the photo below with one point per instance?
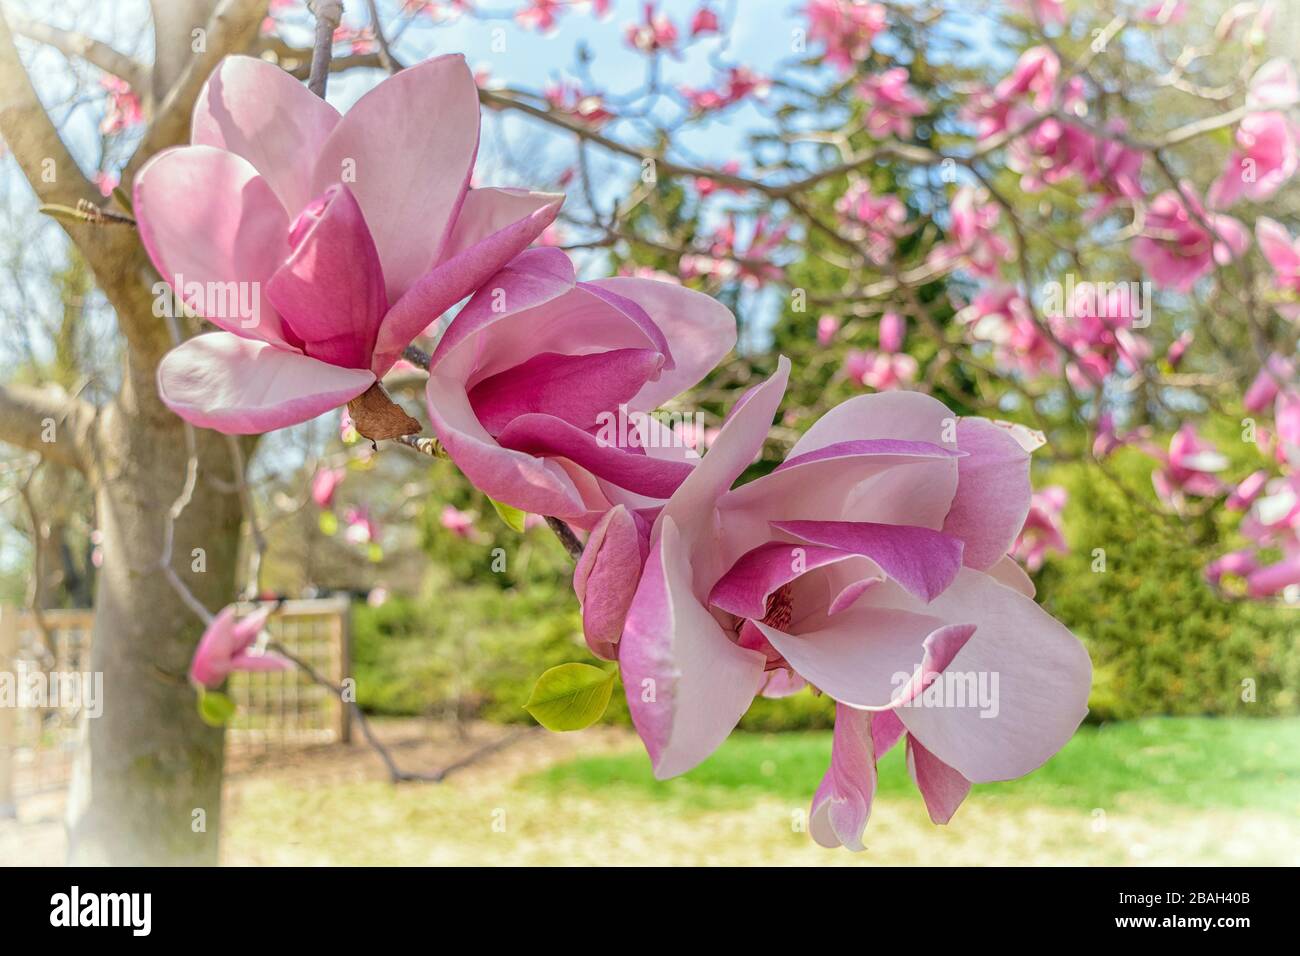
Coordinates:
(1172, 791)
(1203, 764)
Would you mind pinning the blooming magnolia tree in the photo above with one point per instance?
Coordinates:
(957, 260)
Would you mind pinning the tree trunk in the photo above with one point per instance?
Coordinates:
(147, 779)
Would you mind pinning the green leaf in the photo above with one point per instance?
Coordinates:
(513, 517)
(571, 696)
(215, 708)
(329, 523)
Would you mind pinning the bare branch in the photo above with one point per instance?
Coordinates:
(232, 29)
(30, 415)
(328, 14)
(95, 52)
(115, 255)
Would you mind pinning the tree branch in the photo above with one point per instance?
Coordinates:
(114, 255)
(232, 29)
(28, 415)
(328, 14)
(95, 52)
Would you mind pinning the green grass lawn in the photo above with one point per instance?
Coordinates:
(1194, 763)
(1175, 791)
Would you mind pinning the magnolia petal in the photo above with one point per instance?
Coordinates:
(842, 804)
(494, 226)
(578, 389)
(687, 683)
(258, 111)
(547, 436)
(942, 787)
(862, 656)
(242, 387)
(521, 480)
(205, 216)
(331, 290)
(1010, 574)
(748, 583)
(924, 562)
(993, 492)
(407, 149)
(605, 579)
(700, 331)
(909, 416)
(732, 451)
(1043, 677)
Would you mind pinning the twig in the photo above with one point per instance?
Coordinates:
(566, 536)
(385, 54)
(328, 14)
(396, 774)
(416, 356)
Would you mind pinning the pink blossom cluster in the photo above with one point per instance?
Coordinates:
(872, 564)
(846, 27)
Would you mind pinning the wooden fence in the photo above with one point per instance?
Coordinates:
(277, 710)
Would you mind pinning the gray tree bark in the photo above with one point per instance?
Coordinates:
(147, 779)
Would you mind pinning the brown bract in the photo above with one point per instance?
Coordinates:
(378, 417)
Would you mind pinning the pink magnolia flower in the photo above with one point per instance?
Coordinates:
(869, 563)
(1189, 468)
(1272, 578)
(705, 21)
(1045, 12)
(893, 329)
(1178, 349)
(1000, 316)
(540, 15)
(226, 647)
(1033, 78)
(1042, 530)
(847, 27)
(1164, 12)
(738, 83)
(540, 389)
(107, 182)
(655, 33)
(1273, 85)
(1277, 372)
(877, 220)
(889, 367)
(337, 239)
(1238, 563)
(347, 428)
(568, 99)
(973, 237)
(124, 109)
(1283, 255)
(1175, 249)
(880, 370)
(727, 260)
(707, 186)
(1286, 419)
(459, 523)
(827, 328)
(1264, 159)
(1097, 330)
(1112, 168)
(893, 103)
(1108, 438)
(324, 483)
(361, 529)
(1246, 491)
